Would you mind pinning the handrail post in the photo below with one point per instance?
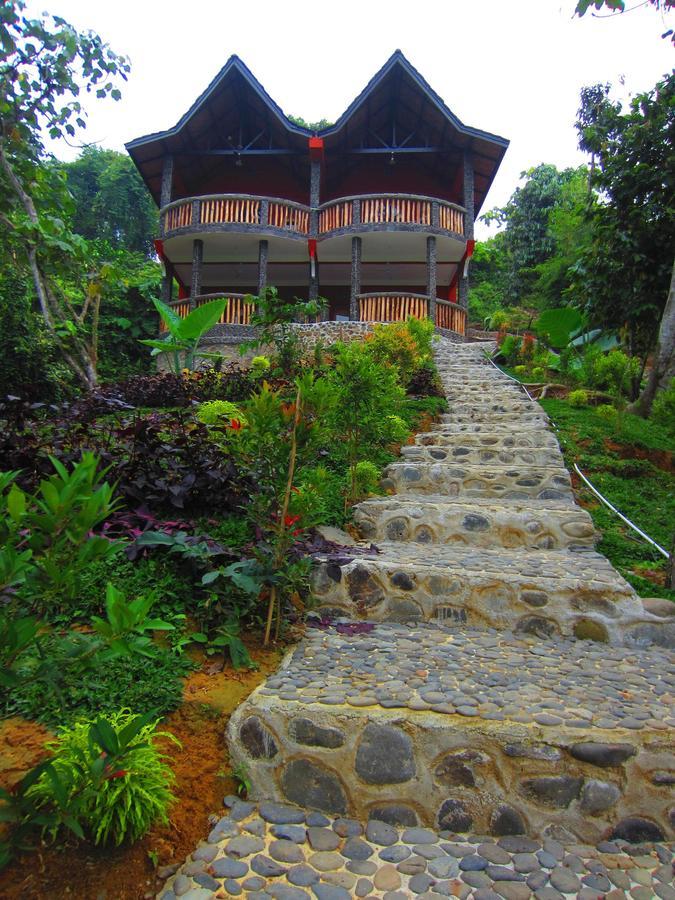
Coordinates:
(196, 211)
(435, 214)
(356, 212)
(264, 212)
(196, 281)
(165, 191)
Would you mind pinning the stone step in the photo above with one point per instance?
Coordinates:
(287, 843)
(491, 408)
(471, 416)
(455, 480)
(466, 731)
(497, 439)
(478, 456)
(434, 519)
(543, 592)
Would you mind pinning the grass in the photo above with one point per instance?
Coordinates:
(630, 462)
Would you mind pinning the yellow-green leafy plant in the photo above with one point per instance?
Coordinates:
(422, 331)
(538, 373)
(607, 412)
(395, 345)
(220, 414)
(663, 408)
(111, 776)
(366, 478)
(259, 366)
(520, 371)
(578, 399)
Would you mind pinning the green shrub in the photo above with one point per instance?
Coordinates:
(116, 780)
(498, 320)
(663, 408)
(422, 331)
(366, 478)
(578, 399)
(395, 345)
(520, 371)
(615, 372)
(219, 413)
(510, 348)
(538, 373)
(259, 366)
(606, 412)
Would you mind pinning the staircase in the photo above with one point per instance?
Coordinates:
(510, 683)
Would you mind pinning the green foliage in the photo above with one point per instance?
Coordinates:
(220, 413)
(242, 778)
(607, 450)
(616, 372)
(557, 326)
(51, 532)
(366, 478)
(112, 203)
(578, 399)
(623, 276)
(663, 408)
(319, 125)
(422, 331)
(183, 335)
(274, 318)
(509, 350)
(607, 412)
(397, 346)
(259, 366)
(111, 775)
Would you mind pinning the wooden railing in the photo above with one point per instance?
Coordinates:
(236, 209)
(237, 311)
(451, 316)
(392, 306)
(391, 209)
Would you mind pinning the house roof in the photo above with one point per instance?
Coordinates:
(397, 97)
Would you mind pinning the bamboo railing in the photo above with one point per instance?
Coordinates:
(392, 306)
(237, 311)
(391, 209)
(451, 316)
(236, 209)
(229, 210)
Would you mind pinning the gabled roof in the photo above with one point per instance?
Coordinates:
(397, 93)
(397, 59)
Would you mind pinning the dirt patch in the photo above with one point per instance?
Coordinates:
(662, 459)
(75, 870)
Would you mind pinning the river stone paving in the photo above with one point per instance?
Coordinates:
(375, 859)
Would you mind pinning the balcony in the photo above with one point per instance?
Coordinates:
(237, 311)
(390, 212)
(235, 212)
(348, 215)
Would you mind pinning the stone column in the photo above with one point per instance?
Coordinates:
(314, 200)
(263, 247)
(167, 282)
(431, 276)
(356, 280)
(468, 204)
(197, 260)
(166, 188)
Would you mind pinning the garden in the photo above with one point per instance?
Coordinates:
(157, 539)
(586, 383)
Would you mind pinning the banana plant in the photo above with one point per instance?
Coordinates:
(183, 335)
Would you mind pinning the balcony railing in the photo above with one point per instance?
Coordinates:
(237, 210)
(368, 212)
(381, 306)
(392, 306)
(407, 210)
(237, 311)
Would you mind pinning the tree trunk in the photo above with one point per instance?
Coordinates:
(663, 367)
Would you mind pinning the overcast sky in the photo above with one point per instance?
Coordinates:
(511, 67)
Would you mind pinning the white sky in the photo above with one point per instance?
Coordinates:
(512, 67)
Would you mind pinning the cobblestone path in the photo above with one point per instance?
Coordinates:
(503, 729)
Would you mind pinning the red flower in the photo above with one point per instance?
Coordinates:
(291, 520)
(235, 424)
(119, 774)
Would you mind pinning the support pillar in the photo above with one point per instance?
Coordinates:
(468, 203)
(314, 199)
(166, 188)
(356, 280)
(197, 260)
(167, 282)
(431, 277)
(263, 249)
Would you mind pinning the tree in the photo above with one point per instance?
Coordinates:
(619, 6)
(112, 202)
(44, 64)
(623, 276)
(527, 238)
